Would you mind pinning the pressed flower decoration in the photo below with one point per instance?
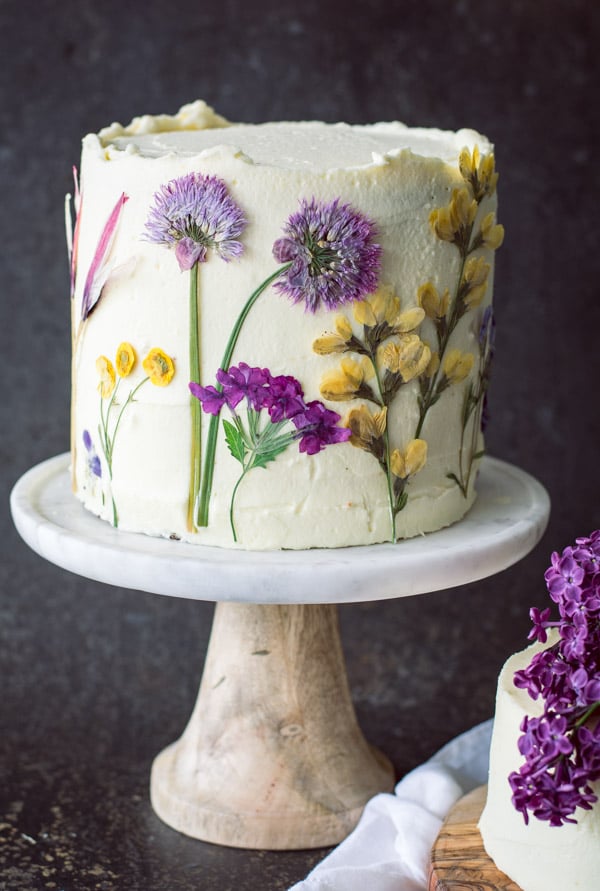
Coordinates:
(195, 214)
(393, 353)
(561, 748)
(159, 368)
(276, 415)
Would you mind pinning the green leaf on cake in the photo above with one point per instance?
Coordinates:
(235, 443)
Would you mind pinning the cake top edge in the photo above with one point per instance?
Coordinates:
(197, 130)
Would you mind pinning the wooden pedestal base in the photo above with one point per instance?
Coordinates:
(459, 861)
(273, 756)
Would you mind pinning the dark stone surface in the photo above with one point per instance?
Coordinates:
(95, 680)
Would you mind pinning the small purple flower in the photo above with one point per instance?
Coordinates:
(541, 621)
(244, 382)
(564, 577)
(212, 400)
(334, 258)
(285, 398)
(195, 213)
(317, 428)
(93, 460)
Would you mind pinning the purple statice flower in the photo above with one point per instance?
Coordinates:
(93, 460)
(317, 427)
(195, 213)
(334, 258)
(562, 746)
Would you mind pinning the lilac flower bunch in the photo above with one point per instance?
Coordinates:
(562, 747)
(276, 416)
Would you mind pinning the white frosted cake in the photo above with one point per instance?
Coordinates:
(536, 855)
(282, 332)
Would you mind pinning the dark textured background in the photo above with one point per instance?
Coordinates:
(95, 680)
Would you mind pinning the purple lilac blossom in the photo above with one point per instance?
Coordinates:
(193, 214)
(562, 746)
(334, 258)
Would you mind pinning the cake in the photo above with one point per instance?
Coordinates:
(558, 847)
(282, 332)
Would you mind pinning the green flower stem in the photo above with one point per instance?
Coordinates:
(386, 440)
(196, 456)
(233, 494)
(213, 427)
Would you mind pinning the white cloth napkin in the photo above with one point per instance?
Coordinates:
(389, 849)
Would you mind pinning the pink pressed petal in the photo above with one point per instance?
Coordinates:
(99, 269)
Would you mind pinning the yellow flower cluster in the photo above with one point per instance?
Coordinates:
(433, 304)
(348, 382)
(454, 222)
(158, 366)
(410, 461)
(457, 366)
(367, 429)
(409, 357)
(479, 172)
(383, 308)
(474, 281)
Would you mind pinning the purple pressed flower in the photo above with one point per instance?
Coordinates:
(244, 382)
(317, 428)
(334, 258)
(212, 401)
(92, 458)
(193, 214)
(100, 266)
(285, 398)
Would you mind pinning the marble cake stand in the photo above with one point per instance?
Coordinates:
(273, 756)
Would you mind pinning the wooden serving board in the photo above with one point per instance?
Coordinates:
(459, 861)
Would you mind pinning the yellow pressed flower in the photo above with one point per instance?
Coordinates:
(457, 366)
(411, 461)
(367, 428)
(452, 222)
(364, 314)
(475, 279)
(334, 343)
(409, 357)
(125, 359)
(159, 367)
(106, 371)
(346, 382)
(434, 306)
(492, 233)
(479, 172)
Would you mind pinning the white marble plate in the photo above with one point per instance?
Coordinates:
(506, 522)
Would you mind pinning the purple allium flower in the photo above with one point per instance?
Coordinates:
(317, 428)
(562, 746)
(92, 458)
(195, 213)
(334, 258)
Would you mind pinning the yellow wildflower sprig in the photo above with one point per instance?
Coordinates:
(159, 369)
(404, 465)
(473, 405)
(391, 354)
(456, 224)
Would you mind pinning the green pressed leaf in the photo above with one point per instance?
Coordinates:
(401, 504)
(235, 443)
(269, 451)
(477, 455)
